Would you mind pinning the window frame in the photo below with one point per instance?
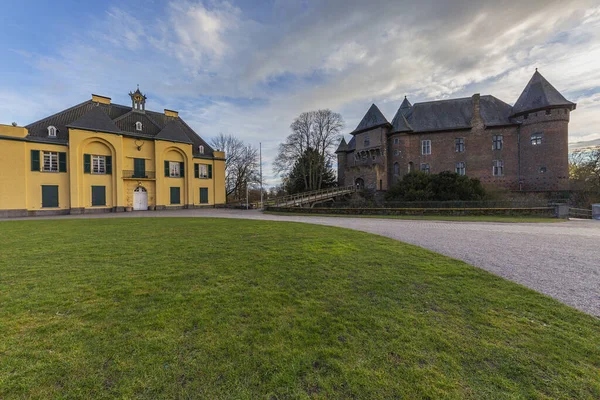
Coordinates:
(138, 126)
(427, 170)
(497, 142)
(52, 131)
(425, 147)
(459, 167)
(201, 149)
(396, 140)
(498, 168)
(537, 138)
(53, 157)
(174, 169)
(98, 161)
(459, 145)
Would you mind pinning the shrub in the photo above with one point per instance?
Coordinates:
(445, 186)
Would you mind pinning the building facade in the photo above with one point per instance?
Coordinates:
(98, 156)
(522, 147)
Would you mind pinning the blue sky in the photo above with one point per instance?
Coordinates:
(248, 68)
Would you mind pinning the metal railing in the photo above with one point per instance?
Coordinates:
(309, 197)
(583, 213)
(129, 174)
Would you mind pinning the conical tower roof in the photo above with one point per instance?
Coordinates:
(372, 119)
(405, 104)
(538, 95)
(342, 147)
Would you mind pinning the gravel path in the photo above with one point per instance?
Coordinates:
(561, 260)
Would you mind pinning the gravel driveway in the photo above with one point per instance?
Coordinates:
(561, 260)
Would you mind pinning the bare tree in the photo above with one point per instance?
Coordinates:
(584, 172)
(314, 133)
(241, 165)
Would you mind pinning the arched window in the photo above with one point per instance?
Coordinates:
(201, 149)
(51, 131)
(138, 126)
(396, 169)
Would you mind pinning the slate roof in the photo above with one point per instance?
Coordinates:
(118, 119)
(342, 147)
(540, 94)
(372, 119)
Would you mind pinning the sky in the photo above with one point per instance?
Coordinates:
(248, 68)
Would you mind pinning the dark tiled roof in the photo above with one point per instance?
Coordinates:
(372, 119)
(342, 147)
(539, 94)
(127, 123)
(352, 144)
(441, 115)
(173, 132)
(399, 123)
(405, 104)
(106, 117)
(95, 120)
(494, 111)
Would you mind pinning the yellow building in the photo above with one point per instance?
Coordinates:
(99, 156)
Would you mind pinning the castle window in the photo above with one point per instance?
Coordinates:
(425, 168)
(425, 147)
(498, 168)
(459, 145)
(411, 167)
(367, 141)
(548, 112)
(460, 168)
(201, 149)
(536, 139)
(396, 169)
(543, 170)
(51, 131)
(396, 153)
(98, 164)
(396, 140)
(138, 126)
(526, 116)
(497, 142)
(50, 161)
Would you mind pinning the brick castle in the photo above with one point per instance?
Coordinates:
(521, 147)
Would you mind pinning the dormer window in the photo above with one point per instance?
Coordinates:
(138, 126)
(51, 131)
(201, 149)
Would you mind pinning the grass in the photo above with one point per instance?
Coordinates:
(216, 308)
(465, 218)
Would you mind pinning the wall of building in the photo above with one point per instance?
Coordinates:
(35, 179)
(552, 154)
(13, 175)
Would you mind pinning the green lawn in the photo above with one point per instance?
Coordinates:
(465, 218)
(215, 308)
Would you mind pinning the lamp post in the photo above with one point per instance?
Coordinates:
(260, 162)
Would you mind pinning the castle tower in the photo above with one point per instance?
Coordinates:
(341, 161)
(543, 114)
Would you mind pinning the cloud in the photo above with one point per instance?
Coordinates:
(250, 68)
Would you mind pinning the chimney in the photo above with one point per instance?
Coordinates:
(100, 99)
(171, 113)
(476, 120)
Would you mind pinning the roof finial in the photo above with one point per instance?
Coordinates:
(138, 85)
(536, 69)
(404, 96)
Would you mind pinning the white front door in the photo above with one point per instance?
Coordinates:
(140, 199)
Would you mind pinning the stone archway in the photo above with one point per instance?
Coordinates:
(360, 183)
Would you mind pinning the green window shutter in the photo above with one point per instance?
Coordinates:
(87, 164)
(49, 196)
(181, 169)
(139, 168)
(166, 168)
(35, 160)
(98, 195)
(210, 172)
(203, 195)
(196, 171)
(109, 165)
(62, 162)
(175, 195)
